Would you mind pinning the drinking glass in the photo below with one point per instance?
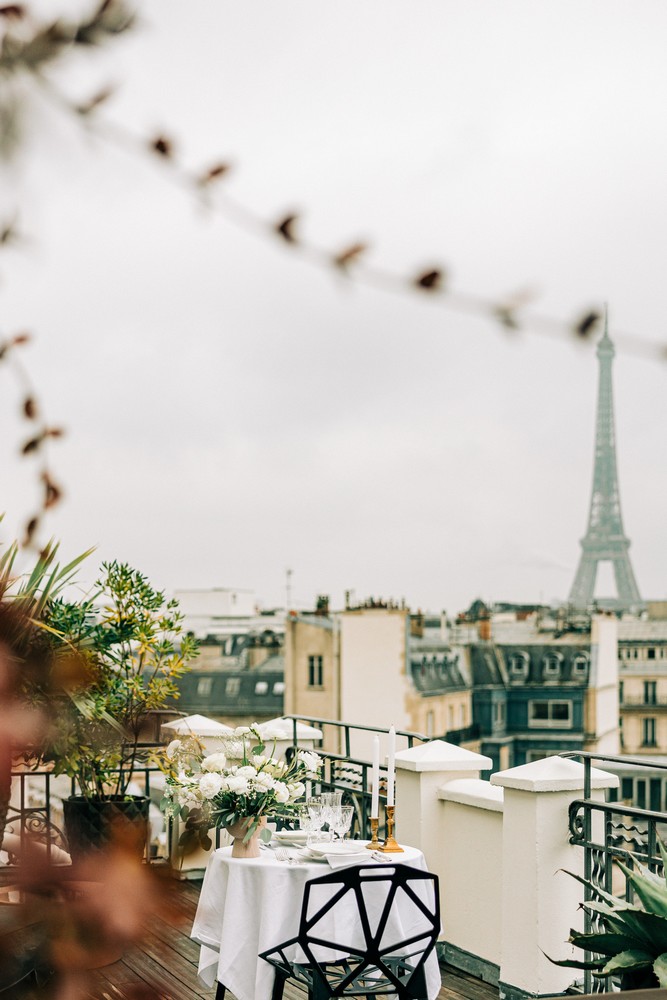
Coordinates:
(319, 838)
(343, 820)
(330, 805)
(315, 808)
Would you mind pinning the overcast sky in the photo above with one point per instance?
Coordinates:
(232, 412)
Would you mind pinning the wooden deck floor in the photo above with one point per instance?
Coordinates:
(164, 967)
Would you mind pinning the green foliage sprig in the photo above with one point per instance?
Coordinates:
(120, 651)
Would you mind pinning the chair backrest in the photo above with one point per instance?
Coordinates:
(386, 920)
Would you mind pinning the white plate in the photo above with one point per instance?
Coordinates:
(340, 848)
(291, 836)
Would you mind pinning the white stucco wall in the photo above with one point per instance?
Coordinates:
(373, 684)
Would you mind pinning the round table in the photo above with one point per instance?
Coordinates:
(249, 905)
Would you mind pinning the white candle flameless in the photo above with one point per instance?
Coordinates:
(375, 779)
(391, 764)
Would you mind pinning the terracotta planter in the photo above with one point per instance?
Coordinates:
(92, 825)
(238, 830)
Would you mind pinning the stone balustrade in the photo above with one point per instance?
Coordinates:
(499, 848)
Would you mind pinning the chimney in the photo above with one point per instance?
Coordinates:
(417, 625)
(484, 628)
(322, 605)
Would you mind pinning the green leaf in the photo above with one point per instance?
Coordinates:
(626, 960)
(604, 943)
(652, 896)
(660, 969)
(574, 963)
(265, 835)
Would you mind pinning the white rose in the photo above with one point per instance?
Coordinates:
(172, 748)
(210, 785)
(263, 781)
(247, 771)
(311, 761)
(214, 762)
(238, 784)
(242, 730)
(271, 731)
(189, 796)
(281, 792)
(297, 788)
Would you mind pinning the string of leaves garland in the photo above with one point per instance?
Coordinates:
(26, 46)
(241, 783)
(33, 51)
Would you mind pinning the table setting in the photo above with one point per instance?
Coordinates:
(252, 892)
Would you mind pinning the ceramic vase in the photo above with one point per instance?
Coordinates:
(238, 830)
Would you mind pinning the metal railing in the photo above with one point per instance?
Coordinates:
(35, 810)
(643, 701)
(348, 774)
(608, 832)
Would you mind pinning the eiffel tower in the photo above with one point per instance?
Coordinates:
(605, 540)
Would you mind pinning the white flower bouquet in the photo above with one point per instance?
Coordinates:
(206, 791)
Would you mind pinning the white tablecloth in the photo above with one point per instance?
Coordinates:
(248, 906)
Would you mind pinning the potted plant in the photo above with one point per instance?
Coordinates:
(235, 788)
(119, 651)
(633, 943)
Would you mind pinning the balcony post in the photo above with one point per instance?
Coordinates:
(540, 903)
(420, 772)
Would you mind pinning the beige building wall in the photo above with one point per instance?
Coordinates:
(434, 715)
(305, 638)
(643, 673)
(374, 683)
(601, 706)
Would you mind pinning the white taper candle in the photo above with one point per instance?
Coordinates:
(375, 779)
(391, 764)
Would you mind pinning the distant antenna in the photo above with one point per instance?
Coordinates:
(288, 589)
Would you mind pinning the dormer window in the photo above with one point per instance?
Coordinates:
(518, 665)
(580, 666)
(551, 665)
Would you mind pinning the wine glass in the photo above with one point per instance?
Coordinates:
(343, 820)
(315, 808)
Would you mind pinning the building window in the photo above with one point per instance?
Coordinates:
(650, 693)
(462, 716)
(550, 714)
(648, 732)
(261, 687)
(232, 687)
(650, 652)
(551, 665)
(279, 687)
(620, 692)
(204, 686)
(499, 713)
(518, 664)
(429, 723)
(580, 665)
(315, 671)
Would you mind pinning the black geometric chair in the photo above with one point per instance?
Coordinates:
(379, 966)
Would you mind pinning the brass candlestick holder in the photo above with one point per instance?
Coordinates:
(375, 843)
(390, 846)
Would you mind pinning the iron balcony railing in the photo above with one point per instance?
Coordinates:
(349, 774)
(643, 701)
(35, 810)
(613, 831)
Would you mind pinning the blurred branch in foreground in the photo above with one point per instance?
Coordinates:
(34, 51)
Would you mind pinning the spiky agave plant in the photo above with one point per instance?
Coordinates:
(633, 944)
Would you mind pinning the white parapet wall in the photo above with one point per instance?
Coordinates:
(498, 849)
(472, 825)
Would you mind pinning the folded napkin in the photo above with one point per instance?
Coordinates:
(346, 860)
